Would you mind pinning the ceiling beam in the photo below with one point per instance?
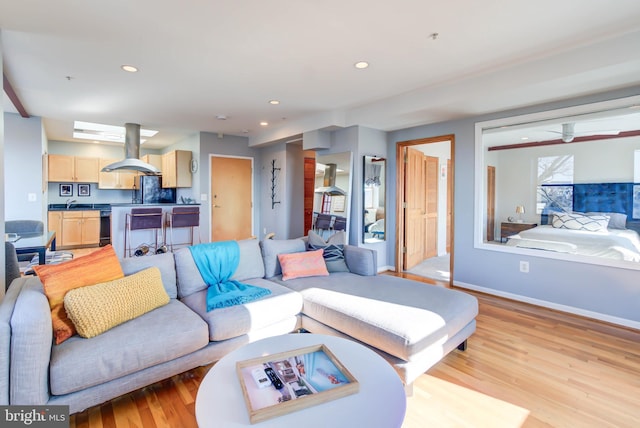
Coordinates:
(622, 134)
(13, 97)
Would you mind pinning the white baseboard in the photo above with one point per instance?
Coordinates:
(386, 268)
(551, 305)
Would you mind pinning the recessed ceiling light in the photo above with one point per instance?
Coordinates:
(129, 68)
(361, 64)
(274, 102)
(264, 123)
(524, 138)
(221, 117)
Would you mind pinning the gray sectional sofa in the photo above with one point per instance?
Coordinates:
(411, 324)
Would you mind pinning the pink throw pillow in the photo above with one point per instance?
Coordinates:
(300, 265)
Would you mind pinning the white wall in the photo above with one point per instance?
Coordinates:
(516, 170)
(23, 168)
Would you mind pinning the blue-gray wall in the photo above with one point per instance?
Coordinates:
(23, 149)
(603, 292)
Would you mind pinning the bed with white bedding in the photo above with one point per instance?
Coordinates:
(620, 244)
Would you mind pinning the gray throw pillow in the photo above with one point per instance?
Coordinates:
(333, 250)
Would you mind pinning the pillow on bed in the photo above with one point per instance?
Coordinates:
(616, 220)
(579, 221)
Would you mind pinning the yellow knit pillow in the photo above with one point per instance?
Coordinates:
(97, 308)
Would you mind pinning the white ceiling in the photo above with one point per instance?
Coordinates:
(201, 59)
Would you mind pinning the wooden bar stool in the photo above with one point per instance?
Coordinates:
(183, 217)
(142, 219)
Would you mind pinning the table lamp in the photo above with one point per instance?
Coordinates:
(520, 211)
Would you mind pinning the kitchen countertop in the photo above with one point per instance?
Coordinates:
(79, 207)
(130, 205)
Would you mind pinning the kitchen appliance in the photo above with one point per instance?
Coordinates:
(105, 223)
(132, 153)
(148, 190)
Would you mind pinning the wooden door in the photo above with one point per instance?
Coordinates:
(231, 198)
(449, 173)
(415, 208)
(491, 203)
(309, 186)
(431, 218)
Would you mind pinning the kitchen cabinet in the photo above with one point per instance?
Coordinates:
(155, 160)
(79, 228)
(176, 169)
(121, 180)
(55, 224)
(75, 169)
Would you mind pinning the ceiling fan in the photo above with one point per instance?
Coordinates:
(569, 132)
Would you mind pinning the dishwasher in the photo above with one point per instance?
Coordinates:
(105, 226)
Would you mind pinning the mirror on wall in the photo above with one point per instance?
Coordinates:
(332, 194)
(374, 170)
(563, 184)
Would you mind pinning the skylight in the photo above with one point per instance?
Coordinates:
(108, 133)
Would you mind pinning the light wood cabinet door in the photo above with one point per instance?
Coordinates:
(176, 169)
(107, 180)
(120, 180)
(54, 220)
(78, 228)
(91, 228)
(86, 170)
(61, 168)
(155, 160)
(169, 170)
(73, 169)
(71, 229)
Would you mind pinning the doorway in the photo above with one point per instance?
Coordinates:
(424, 208)
(231, 198)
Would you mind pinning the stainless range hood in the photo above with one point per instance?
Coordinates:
(329, 184)
(132, 153)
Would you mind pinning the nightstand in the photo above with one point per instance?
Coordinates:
(508, 229)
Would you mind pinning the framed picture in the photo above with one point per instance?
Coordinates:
(66, 190)
(281, 383)
(84, 190)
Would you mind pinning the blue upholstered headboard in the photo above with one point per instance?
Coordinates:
(603, 197)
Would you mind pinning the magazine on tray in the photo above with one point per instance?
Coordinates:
(281, 383)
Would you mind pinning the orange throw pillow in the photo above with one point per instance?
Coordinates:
(299, 265)
(100, 266)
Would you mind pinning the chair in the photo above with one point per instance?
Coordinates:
(183, 217)
(142, 219)
(11, 266)
(21, 227)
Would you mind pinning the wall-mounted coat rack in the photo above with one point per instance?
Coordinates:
(273, 184)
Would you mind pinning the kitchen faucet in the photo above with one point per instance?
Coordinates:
(70, 202)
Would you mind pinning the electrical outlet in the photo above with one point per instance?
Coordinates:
(31, 197)
(524, 266)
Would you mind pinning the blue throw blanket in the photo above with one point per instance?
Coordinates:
(217, 262)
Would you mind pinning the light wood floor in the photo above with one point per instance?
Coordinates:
(525, 367)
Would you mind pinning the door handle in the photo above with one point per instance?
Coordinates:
(217, 206)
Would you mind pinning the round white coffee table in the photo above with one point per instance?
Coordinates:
(379, 403)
